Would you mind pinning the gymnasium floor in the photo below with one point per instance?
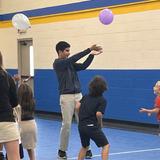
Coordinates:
(124, 145)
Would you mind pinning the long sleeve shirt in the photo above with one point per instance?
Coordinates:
(66, 71)
(8, 97)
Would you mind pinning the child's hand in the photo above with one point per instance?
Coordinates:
(27, 79)
(77, 105)
(146, 111)
(101, 125)
(16, 77)
(143, 110)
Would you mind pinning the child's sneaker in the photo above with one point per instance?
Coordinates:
(62, 154)
(88, 154)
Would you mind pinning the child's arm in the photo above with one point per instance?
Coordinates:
(78, 104)
(17, 113)
(150, 111)
(99, 118)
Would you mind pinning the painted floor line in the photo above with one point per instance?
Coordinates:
(137, 151)
(127, 152)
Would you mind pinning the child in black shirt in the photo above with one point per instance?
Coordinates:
(91, 108)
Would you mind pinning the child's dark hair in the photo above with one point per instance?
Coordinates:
(97, 86)
(62, 45)
(25, 98)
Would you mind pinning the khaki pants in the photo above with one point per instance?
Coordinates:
(67, 102)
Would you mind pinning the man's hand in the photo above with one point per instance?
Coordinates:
(96, 48)
(96, 53)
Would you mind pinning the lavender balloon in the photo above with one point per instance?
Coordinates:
(106, 16)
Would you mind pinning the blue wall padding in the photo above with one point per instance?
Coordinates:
(46, 91)
(12, 71)
(128, 90)
(68, 8)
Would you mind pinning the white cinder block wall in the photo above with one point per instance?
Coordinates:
(132, 41)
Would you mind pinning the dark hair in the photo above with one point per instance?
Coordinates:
(62, 45)
(25, 99)
(97, 86)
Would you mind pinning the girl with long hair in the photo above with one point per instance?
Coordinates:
(28, 127)
(9, 132)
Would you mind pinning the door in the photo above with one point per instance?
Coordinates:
(26, 61)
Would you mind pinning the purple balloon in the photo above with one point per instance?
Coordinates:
(106, 16)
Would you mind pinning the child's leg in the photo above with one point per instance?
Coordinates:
(105, 152)
(1, 148)
(31, 154)
(1, 152)
(21, 154)
(12, 149)
(82, 153)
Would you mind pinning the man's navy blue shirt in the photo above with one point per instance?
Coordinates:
(66, 71)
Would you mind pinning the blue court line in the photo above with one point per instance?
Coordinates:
(127, 152)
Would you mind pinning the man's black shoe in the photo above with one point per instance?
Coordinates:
(62, 154)
(88, 154)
